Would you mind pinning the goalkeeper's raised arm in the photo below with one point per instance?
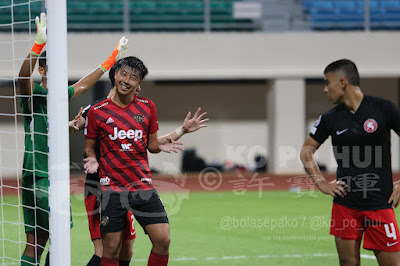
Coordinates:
(25, 80)
(90, 79)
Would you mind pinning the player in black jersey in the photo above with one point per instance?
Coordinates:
(364, 192)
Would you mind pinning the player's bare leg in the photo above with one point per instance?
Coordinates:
(98, 247)
(160, 237)
(126, 252)
(348, 251)
(112, 245)
(35, 244)
(387, 258)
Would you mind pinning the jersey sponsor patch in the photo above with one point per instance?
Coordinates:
(145, 179)
(139, 118)
(105, 181)
(370, 125)
(130, 134)
(126, 147)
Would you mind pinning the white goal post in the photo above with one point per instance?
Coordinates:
(57, 109)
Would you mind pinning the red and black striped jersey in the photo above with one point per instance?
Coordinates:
(123, 136)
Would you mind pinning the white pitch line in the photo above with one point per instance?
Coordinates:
(266, 256)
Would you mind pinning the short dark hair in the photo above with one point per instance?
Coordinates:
(349, 69)
(133, 63)
(42, 59)
(111, 75)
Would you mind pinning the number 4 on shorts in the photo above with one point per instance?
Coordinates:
(390, 232)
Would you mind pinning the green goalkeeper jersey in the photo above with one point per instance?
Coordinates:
(35, 125)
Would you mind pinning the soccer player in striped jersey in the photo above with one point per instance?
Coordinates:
(364, 193)
(126, 127)
(91, 198)
(92, 181)
(35, 166)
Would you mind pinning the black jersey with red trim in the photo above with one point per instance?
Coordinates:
(123, 135)
(361, 146)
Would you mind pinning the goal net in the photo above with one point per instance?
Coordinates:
(22, 132)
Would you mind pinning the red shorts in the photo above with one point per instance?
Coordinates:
(379, 227)
(92, 210)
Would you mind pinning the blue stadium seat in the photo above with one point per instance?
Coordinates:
(346, 4)
(385, 14)
(307, 5)
(337, 15)
(323, 4)
(390, 3)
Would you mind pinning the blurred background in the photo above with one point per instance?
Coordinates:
(254, 66)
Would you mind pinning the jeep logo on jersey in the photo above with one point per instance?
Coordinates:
(370, 125)
(105, 181)
(130, 134)
(138, 118)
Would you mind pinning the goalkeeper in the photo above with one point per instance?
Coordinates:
(35, 167)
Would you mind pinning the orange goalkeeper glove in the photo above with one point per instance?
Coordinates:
(41, 36)
(117, 54)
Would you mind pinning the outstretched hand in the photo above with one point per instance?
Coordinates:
(116, 54)
(41, 34)
(91, 165)
(41, 25)
(74, 124)
(168, 145)
(192, 124)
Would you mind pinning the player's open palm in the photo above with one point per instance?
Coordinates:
(169, 145)
(333, 188)
(91, 165)
(195, 123)
(41, 26)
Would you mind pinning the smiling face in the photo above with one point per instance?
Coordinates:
(127, 81)
(335, 86)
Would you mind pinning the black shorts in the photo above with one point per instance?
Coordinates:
(145, 205)
(92, 185)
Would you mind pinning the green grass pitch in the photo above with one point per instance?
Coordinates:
(216, 228)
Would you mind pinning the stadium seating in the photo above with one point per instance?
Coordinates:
(188, 15)
(350, 14)
(385, 15)
(21, 12)
(143, 15)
